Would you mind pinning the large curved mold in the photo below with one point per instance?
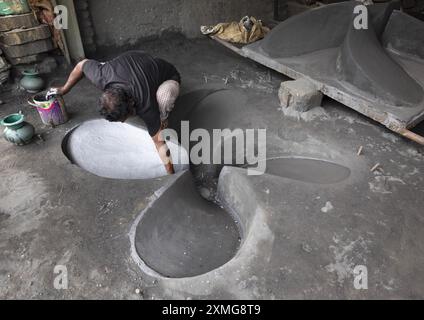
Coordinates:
(365, 64)
(320, 28)
(313, 30)
(118, 151)
(182, 235)
(377, 71)
(209, 110)
(404, 34)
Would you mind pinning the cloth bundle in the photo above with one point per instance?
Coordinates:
(45, 14)
(248, 30)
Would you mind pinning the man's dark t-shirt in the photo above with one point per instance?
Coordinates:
(139, 73)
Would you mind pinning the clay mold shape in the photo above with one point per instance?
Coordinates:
(119, 151)
(181, 235)
(307, 170)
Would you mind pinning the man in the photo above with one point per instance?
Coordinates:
(134, 83)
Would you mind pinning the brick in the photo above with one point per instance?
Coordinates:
(301, 95)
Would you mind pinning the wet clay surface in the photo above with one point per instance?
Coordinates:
(307, 170)
(183, 235)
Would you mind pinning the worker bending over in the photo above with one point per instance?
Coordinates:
(133, 84)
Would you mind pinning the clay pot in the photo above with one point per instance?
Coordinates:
(31, 81)
(17, 131)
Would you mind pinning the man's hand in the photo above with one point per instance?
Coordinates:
(75, 76)
(164, 152)
(56, 91)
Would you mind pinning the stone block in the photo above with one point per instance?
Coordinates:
(21, 36)
(300, 95)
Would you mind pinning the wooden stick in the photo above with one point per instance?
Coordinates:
(411, 135)
(375, 167)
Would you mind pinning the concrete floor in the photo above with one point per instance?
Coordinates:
(308, 237)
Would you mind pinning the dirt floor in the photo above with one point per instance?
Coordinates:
(53, 213)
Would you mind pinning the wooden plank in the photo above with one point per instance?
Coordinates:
(229, 45)
(28, 59)
(28, 49)
(27, 20)
(22, 36)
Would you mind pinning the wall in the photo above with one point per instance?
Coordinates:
(119, 22)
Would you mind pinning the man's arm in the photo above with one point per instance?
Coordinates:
(163, 151)
(75, 76)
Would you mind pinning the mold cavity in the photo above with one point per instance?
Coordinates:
(307, 170)
(182, 235)
(118, 151)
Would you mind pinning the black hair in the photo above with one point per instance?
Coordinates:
(115, 103)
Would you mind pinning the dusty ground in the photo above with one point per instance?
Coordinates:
(52, 213)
